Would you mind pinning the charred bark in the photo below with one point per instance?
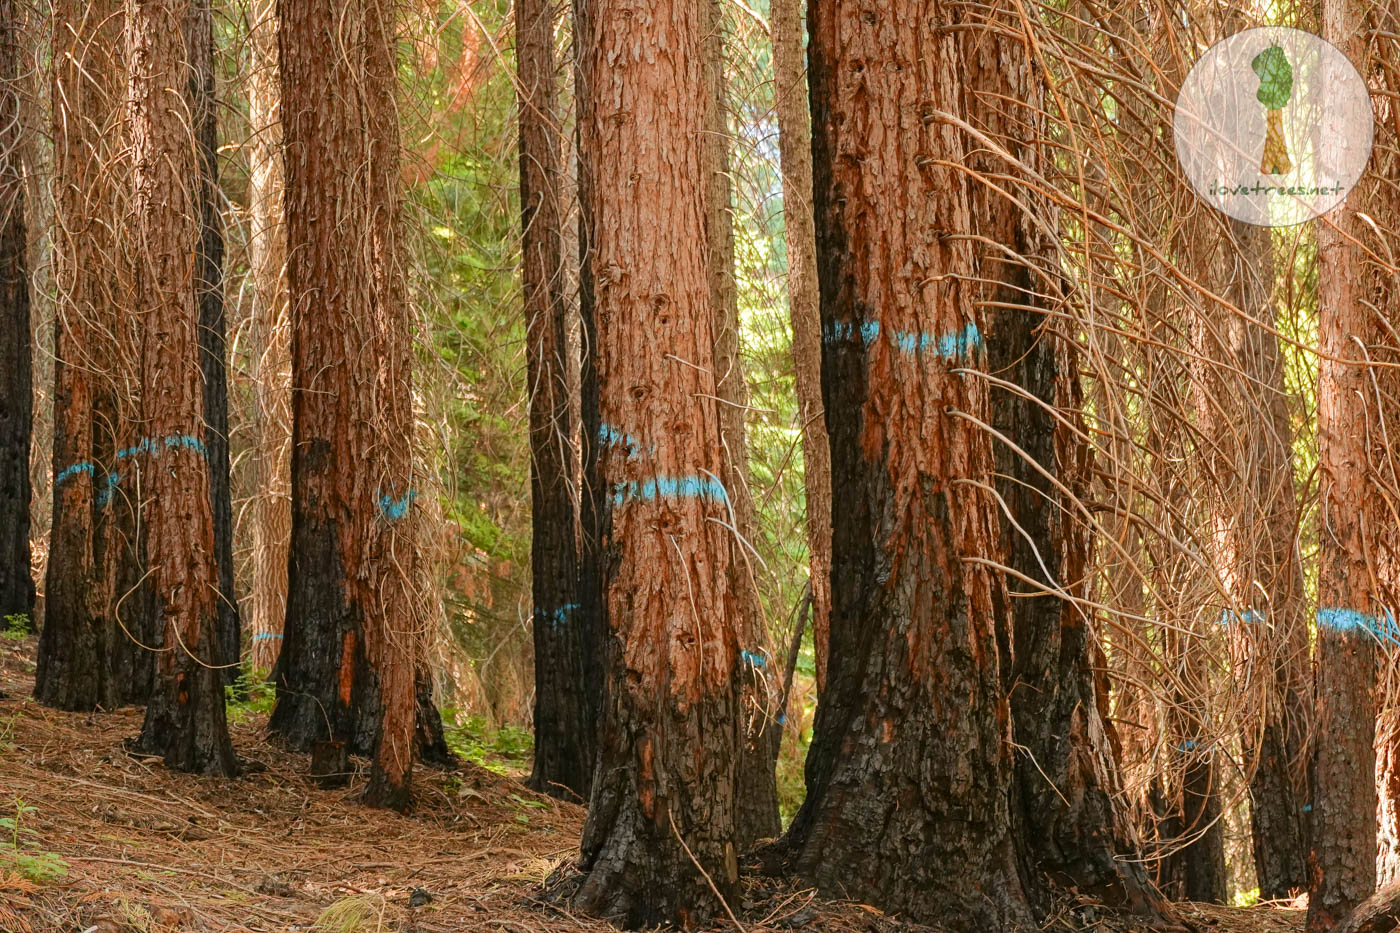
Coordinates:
(564, 744)
(663, 795)
(185, 723)
(77, 644)
(213, 356)
(350, 668)
(16, 350)
(908, 778)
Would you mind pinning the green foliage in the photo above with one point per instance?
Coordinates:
(505, 750)
(351, 915)
(21, 852)
(252, 695)
(1275, 78)
(18, 627)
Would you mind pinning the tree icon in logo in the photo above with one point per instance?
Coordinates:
(1275, 88)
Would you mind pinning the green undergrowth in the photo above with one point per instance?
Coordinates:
(504, 750)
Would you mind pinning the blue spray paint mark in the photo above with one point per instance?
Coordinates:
(1228, 617)
(757, 660)
(556, 617)
(74, 470)
(147, 445)
(705, 488)
(610, 436)
(262, 636)
(395, 509)
(1383, 629)
(782, 718)
(1188, 745)
(961, 343)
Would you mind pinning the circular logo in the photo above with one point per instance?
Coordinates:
(1273, 126)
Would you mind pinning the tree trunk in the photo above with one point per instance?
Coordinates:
(77, 643)
(564, 713)
(756, 790)
(1343, 831)
(661, 825)
(1068, 831)
(267, 247)
(1238, 384)
(213, 357)
(908, 777)
(795, 157)
(16, 352)
(185, 718)
(348, 670)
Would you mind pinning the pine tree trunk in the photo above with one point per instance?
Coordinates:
(209, 279)
(185, 721)
(1239, 381)
(564, 715)
(795, 157)
(16, 351)
(349, 665)
(1342, 866)
(662, 810)
(908, 776)
(267, 247)
(756, 794)
(77, 645)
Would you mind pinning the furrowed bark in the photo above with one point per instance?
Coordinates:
(16, 339)
(185, 721)
(564, 744)
(663, 795)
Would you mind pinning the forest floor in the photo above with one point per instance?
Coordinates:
(145, 850)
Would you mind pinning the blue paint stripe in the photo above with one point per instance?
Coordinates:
(556, 617)
(1229, 617)
(147, 445)
(1340, 620)
(705, 488)
(262, 636)
(72, 471)
(757, 660)
(395, 509)
(610, 436)
(959, 344)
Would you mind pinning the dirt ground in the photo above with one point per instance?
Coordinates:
(147, 850)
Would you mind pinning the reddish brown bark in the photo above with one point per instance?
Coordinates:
(349, 664)
(1343, 856)
(185, 718)
(664, 800)
(77, 645)
(267, 247)
(908, 776)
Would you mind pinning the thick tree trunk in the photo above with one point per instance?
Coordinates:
(77, 645)
(213, 356)
(267, 247)
(662, 818)
(756, 793)
(1068, 832)
(1343, 829)
(185, 718)
(564, 712)
(348, 670)
(908, 776)
(795, 157)
(16, 339)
